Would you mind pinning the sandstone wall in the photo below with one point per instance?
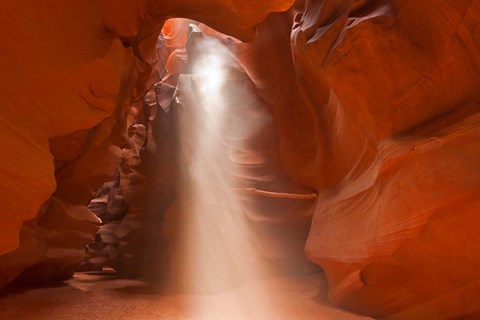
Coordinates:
(376, 106)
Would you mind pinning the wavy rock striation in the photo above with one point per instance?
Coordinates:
(70, 74)
(375, 105)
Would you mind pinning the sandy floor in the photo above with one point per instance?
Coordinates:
(105, 297)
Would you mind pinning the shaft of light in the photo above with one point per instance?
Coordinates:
(221, 257)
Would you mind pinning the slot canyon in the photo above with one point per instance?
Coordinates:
(240, 159)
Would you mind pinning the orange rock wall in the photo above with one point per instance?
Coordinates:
(401, 128)
(376, 105)
(70, 72)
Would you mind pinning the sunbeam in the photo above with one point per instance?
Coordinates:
(215, 122)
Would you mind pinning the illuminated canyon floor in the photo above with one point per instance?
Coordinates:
(105, 296)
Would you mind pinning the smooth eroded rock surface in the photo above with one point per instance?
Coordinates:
(70, 74)
(375, 105)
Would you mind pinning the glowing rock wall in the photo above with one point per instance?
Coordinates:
(70, 73)
(376, 105)
(396, 224)
(378, 110)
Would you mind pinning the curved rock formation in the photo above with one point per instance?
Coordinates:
(401, 125)
(69, 105)
(383, 100)
(375, 105)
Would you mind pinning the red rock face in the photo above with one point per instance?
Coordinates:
(65, 112)
(399, 126)
(375, 105)
(382, 106)
(75, 82)
(371, 114)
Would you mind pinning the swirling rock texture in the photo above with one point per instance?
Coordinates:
(64, 112)
(394, 104)
(375, 104)
(244, 150)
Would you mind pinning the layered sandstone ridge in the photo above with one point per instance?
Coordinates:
(399, 125)
(376, 109)
(70, 73)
